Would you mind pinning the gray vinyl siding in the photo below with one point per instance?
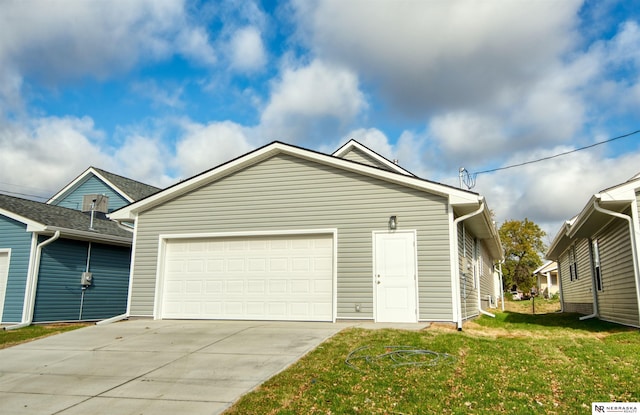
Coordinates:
(13, 235)
(617, 301)
(577, 291)
(486, 278)
(92, 185)
(468, 278)
(59, 293)
(361, 157)
(289, 193)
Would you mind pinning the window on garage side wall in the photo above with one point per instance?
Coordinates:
(573, 263)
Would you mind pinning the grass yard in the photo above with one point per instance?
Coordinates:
(25, 334)
(516, 363)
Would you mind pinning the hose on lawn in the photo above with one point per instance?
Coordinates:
(396, 356)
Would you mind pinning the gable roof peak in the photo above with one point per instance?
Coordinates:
(352, 144)
(129, 189)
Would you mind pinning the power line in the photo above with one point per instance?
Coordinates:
(23, 194)
(557, 155)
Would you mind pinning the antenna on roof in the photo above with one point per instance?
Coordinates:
(467, 178)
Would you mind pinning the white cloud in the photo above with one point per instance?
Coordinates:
(553, 191)
(52, 41)
(374, 139)
(193, 42)
(246, 50)
(436, 55)
(49, 152)
(169, 96)
(304, 100)
(144, 159)
(206, 146)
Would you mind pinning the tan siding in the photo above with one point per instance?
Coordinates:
(360, 157)
(617, 301)
(287, 193)
(577, 291)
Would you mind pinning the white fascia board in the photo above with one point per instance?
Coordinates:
(90, 236)
(354, 144)
(455, 196)
(562, 233)
(83, 177)
(625, 193)
(622, 193)
(547, 266)
(582, 217)
(32, 226)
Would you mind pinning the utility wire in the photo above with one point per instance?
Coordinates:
(557, 155)
(23, 194)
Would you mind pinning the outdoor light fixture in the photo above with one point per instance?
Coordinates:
(393, 223)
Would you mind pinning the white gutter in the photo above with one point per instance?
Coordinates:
(634, 255)
(93, 236)
(30, 294)
(456, 271)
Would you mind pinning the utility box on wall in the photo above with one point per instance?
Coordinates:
(86, 279)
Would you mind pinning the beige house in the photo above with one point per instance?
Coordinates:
(547, 282)
(286, 233)
(597, 256)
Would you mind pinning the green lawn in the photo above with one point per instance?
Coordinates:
(516, 363)
(12, 337)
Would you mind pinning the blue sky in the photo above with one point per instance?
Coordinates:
(161, 90)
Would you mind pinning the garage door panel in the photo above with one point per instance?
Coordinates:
(285, 277)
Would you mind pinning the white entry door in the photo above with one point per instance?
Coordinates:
(395, 277)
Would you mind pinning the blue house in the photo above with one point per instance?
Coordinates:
(64, 260)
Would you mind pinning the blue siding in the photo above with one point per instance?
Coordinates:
(59, 293)
(92, 185)
(13, 235)
(107, 296)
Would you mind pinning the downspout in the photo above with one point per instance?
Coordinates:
(30, 294)
(457, 256)
(126, 314)
(634, 255)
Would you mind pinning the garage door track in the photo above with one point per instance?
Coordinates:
(151, 366)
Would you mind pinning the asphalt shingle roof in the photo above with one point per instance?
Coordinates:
(60, 217)
(134, 189)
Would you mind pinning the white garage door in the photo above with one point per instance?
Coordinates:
(258, 278)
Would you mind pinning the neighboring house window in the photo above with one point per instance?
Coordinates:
(573, 264)
(596, 264)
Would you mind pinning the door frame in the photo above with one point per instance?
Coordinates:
(374, 235)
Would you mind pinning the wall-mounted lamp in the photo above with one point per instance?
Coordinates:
(393, 223)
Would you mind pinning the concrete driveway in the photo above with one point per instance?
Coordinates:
(151, 366)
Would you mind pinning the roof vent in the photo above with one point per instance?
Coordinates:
(95, 203)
